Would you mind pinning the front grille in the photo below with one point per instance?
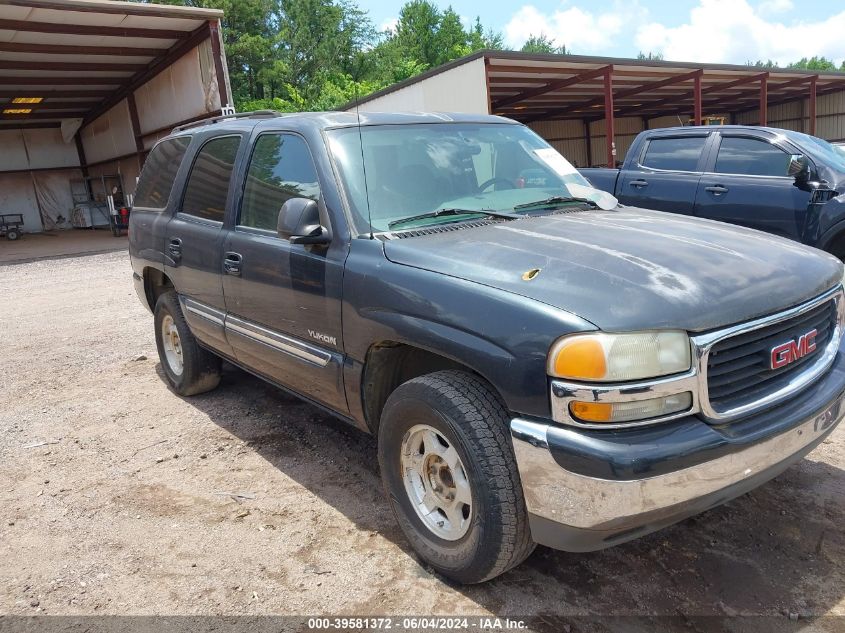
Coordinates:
(738, 368)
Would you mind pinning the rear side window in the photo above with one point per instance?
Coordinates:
(159, 173)
(208, 184)
(281, 168)
(678, 154)
(751, 157)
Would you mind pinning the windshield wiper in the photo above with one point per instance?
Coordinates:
(452, 211)
(555, 200)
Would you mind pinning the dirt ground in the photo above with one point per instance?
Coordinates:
(111, 497)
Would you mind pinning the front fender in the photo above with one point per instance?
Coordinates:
(502, 336)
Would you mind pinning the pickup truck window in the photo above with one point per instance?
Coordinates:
(208, 184)
(751, 157)
(281, 168)
(159, 173)
(418, 169)
(676, 154)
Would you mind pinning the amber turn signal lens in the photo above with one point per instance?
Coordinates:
(592, 411)
(582, 357)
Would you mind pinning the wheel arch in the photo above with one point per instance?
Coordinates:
(390, 363)
(156, 283)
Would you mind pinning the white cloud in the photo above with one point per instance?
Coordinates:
(389, 24)
(732, 31)
(775, 6)
(580, 30)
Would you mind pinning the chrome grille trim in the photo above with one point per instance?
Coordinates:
(703, 344)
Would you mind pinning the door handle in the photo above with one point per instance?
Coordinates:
(174, 247)
(232, 263)
(716, 189)
(639, 183)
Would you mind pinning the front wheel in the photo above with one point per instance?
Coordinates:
(189, 368)
(451, 477)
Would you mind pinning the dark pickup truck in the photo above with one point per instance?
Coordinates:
(779, 181)
(538, 364)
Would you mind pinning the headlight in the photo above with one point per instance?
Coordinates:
(601, 357)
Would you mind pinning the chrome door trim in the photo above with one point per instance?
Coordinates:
(202, 310)
(280, 342)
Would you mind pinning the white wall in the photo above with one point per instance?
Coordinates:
(459, 89)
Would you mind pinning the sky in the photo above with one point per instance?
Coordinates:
(718, 31)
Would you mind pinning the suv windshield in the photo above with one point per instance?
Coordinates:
(423, 174)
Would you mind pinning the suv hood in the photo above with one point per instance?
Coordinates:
(630, 269)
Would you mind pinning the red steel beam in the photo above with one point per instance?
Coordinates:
(66, 49)
(813, 81)
(698, 115)
(764, 100)
(610, 131)
(708, 90)
(622, 94)
(96, 31)
(551, 86)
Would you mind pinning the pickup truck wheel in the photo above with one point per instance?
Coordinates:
(451, 478)
(189, 368)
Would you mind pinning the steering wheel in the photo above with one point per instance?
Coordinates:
(484, 185)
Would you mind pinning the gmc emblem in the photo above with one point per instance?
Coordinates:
(786, 353)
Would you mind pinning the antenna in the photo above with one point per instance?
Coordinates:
(363, 163)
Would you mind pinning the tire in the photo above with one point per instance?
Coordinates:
(200, 369)
(12, 234)
(464, 411)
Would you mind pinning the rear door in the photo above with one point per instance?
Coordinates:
(149, 218)
(195, 240)
(283, 300)
(747, 183)
(666, 173)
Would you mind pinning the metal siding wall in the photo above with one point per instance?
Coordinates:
(109, 135)
(186, 89)
(627, 129)
(567, 137)
(459, 89)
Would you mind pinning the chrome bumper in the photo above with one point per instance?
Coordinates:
(617, 510)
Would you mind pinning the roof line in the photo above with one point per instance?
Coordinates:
(492, 55)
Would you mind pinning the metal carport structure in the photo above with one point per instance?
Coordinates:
(88, 86)
(591, 108)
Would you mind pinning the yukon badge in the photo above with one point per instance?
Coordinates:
(323, 338)
(786, 353)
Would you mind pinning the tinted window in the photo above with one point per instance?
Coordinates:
(680, 154)
(208, 184)
(751, 157)
(280, 169)
(159, 173)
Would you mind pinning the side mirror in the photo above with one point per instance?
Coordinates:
(799, 168)
(299, 222)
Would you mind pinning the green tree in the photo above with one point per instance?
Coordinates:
(814, 63)
(543, 44)
(650, 56)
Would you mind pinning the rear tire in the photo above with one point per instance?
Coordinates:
(12, 234)
(454, 419)
(189, 368)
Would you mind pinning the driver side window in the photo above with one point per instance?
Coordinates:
(281, 168)
(751, 157)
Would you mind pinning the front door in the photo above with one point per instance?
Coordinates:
(195, 240)
(748, 184)
(283, 300)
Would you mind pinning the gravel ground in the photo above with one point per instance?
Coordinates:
(110, 497)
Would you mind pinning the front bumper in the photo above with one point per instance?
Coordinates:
(589, 489)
